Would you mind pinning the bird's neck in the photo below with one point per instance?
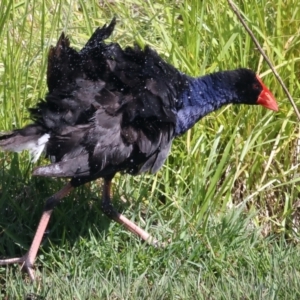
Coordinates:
(202, 96)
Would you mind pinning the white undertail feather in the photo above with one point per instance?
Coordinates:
(34, 146)
(38, 147)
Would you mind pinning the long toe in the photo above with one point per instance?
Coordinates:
(25, 262)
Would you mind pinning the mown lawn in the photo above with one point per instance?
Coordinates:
(226, 203)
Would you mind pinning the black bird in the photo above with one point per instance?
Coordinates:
(112, 110)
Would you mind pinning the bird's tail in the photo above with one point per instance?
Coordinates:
(30, 138)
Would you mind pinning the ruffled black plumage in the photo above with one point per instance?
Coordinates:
(107, 109)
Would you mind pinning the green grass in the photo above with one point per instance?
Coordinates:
(227, 198)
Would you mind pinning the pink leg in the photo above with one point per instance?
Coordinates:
(110, 211)
(28, 259)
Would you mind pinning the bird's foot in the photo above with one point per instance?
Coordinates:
(25, 261)
(110, 211)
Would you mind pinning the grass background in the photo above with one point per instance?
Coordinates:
(227, 199)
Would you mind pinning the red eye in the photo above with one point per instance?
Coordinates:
(255, 86)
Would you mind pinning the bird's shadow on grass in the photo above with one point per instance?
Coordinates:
(21, 206)
(22, 199)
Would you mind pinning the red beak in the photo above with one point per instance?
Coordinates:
(266, 98)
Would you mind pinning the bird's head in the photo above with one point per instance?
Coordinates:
(251, 90)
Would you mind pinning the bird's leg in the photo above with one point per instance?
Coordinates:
(28, 259)
(110, 211)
